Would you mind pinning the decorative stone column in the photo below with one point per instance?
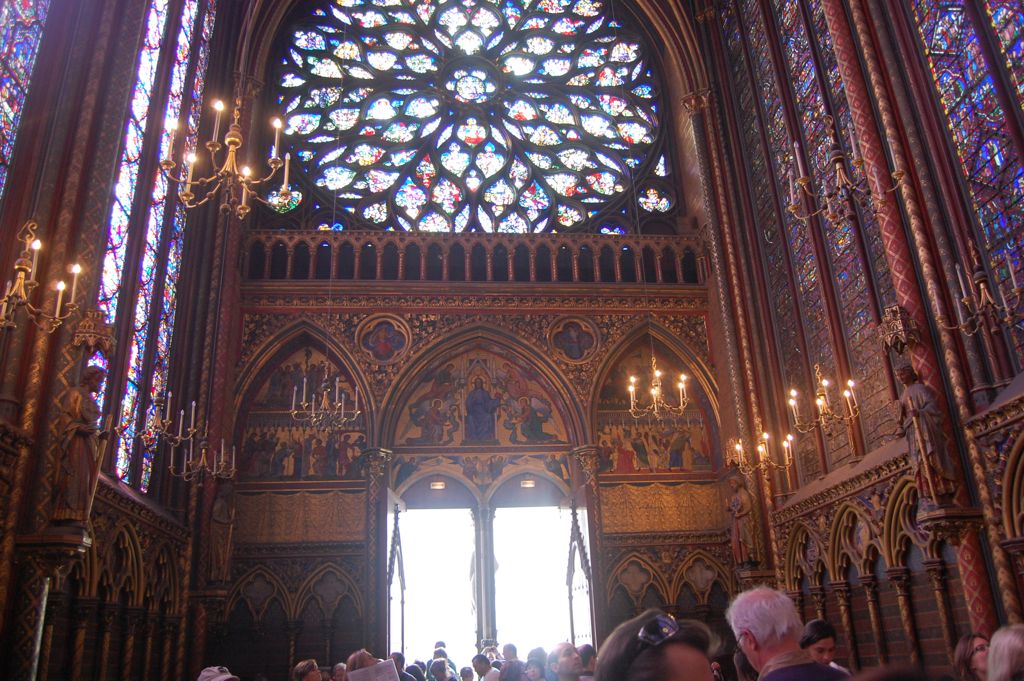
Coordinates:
(374, 625)
(937, 576)
(899, 577)
(133, 618)
(870, 585)
(41, 557)
(820, 599)
(842, 594)
(108, 616)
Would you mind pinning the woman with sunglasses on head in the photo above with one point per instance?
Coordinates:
(970, 659)
(656, 647)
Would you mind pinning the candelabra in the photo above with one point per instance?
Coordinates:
(18, 292)
(761, 460)
(840, 188)
(239, 187)
(161, 427)
(658, 407)
(827, 418)
(977, 308)
(319, 411)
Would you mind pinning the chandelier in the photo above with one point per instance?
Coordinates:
(977, 307)
(237, 184)
(319, 411)
(658, 406)
(18, 292)
(208, 463)
(827, 416)
(841, 187)
(762, 459)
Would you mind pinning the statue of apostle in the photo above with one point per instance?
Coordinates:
(81, 449)
(920, 421)
(740, 505)
(222, 525)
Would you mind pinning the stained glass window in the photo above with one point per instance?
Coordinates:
(978, 127)
(1007, 18)
(508, 116)
(156, 232)
(21, 29)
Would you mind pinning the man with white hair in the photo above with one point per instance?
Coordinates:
(768, 629)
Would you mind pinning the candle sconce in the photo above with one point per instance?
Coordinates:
(207, 463)
(319, 411)
(828, 418)
(658, 407)
(977, 308)
(18, 292)
(760, 460)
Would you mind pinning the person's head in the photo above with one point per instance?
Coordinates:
(535, 669)
(513, 670)
(655, 647)
(819, 639)
(509, 652)
(361, 659)
(564, 661)
(339, 672)
(588, 656)
(399, 659)
(744, 670)
(970, 658)
(439, 669)
(416, 672)
(307, 670)
(440, 653)
(765, 623)
(481, 665)
(466, 674)
(1006, 654)
(216, 674)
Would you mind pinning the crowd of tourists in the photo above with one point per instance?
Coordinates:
(772, 644)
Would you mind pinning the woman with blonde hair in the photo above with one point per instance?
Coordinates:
(1006, 654)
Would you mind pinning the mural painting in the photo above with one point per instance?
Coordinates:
(478, 470)
(681, 444)
(275, 446)
(573, 339)
(384, 337)
(482, 398)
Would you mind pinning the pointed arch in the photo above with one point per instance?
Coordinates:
(123, 569)
(656, 580)
(328, 602)
(529, 466)
(249, 591)
(405, 384)
(299, 334)
(843, 548)
(162, 584)
(900, 529)
(801, 557)
(1013, 491)
(683, 577)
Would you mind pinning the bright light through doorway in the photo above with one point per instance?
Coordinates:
(437, 545)
(531, 550)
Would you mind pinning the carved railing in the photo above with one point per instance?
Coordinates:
(318, 255)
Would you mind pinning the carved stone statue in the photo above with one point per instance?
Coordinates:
(222, 529)
(921, 422)
(81, 449)
(740, 506)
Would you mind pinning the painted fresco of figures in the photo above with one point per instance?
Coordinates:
(81, 445)
(272, 452)
(740, 506)
(307, 369)
(921, 423)
(480, 398)
(629, 447)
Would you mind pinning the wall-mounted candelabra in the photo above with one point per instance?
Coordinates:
(761, 459)
(827, 417)
(18, 291)
(208, 463)
(977, 308)
(239, 187)
(319, 411)
(658, 406)
(843, 185)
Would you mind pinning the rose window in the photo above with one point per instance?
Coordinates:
(512, 116)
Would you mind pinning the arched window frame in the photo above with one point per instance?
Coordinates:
(146, 226)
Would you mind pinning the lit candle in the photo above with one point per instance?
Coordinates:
(295, 391)
(336, 392)
(788, 445)
(854, 148)
(60, 297)
(218, 106)
(181, 421)
(356, 410)
(821, 405)
(287, 166)
(682, 388)
(172, 127)
(1013, 275)
(167, 406)
(849, 401)
(245, 196)
(36, 245)
(192, 420)
(191, 158)
(76, 269)
(824, 390)
(850, 384)
(7, 292)
(246, 173)
(303, 389)
(275, 152)
(799, 159)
